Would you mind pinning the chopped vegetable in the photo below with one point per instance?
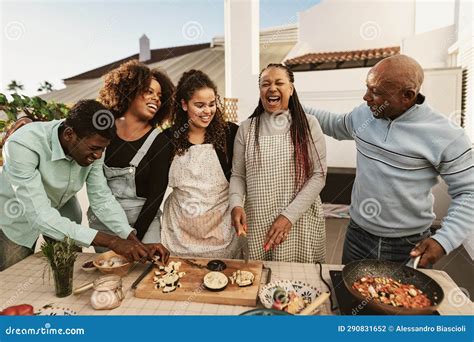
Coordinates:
(167, 278)
(242, 278)
(215, 280)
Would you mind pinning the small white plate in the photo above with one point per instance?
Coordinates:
(89, 266)
(306, 291)
(49, 310)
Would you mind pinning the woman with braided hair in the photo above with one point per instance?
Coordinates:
(196, 215)
(279, 169)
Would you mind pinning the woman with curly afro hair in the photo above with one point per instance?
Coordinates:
(196, 216)
(140, 100)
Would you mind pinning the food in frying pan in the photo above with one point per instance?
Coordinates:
(389, 291)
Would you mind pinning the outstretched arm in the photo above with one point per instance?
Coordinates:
(338, 126)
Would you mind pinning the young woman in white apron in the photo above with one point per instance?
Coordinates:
(279, 169)
(141, 100)
(196, 216)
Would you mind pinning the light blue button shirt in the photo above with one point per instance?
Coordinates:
(38, 178)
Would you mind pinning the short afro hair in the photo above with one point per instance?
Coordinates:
(89, 117)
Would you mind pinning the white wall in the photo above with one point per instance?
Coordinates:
(338, 91)
(341, 25)
(443, 88)
(242, 53)
(430, 49)
(433, 14)
(465, 58)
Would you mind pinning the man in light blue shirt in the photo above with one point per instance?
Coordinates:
(45, 165)
(403, 145)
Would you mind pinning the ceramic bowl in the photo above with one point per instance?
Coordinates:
(102, 262)
(306, 291)
(88, 266)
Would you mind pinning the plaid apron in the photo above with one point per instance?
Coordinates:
(270, 175)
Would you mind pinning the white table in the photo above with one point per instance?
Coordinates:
(23, 283)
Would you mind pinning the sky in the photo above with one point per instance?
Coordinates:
(51, 40)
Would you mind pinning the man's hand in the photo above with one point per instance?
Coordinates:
(158, 248)
(278, 232)
(239, 220)
(132, 250)
(430, 250)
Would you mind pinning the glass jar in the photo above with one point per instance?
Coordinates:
(107, 293)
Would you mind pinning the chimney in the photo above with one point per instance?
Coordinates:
(145, 54)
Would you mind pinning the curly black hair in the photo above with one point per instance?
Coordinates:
(188, 84)
(89, 117)
(130, 79)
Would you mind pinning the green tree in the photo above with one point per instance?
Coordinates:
(14, 86)
(46, 87)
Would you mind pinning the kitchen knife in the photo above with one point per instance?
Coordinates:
(244, 244)
(143, 275)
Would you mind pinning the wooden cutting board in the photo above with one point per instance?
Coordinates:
(192, 288)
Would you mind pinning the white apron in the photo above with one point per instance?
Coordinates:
(196, 218)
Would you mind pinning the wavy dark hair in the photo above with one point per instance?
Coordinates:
(188, 84)
(130, 79)
(299, 129)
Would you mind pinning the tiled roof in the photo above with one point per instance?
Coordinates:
(343, 56)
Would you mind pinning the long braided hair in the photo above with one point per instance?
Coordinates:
(190, 82)
(300, 132)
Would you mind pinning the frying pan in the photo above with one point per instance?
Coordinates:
(355, 270)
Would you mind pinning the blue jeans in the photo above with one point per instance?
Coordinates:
(359, 244)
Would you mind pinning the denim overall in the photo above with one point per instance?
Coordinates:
(122, 183)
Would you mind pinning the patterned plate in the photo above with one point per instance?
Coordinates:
(304, 290)
(49, 310)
